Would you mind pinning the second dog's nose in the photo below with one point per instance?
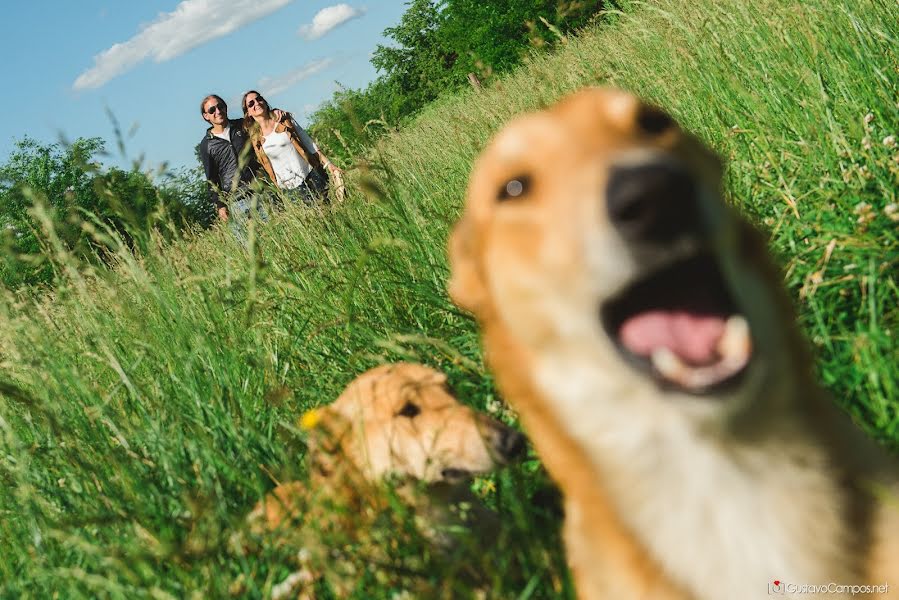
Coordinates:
(653, 202)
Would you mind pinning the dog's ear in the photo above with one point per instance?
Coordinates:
(419, 374)
(327, 430)
(466, 286)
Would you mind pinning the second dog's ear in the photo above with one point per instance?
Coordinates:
(324, 440)
(466, 286)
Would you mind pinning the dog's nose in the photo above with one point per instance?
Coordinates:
(653, 202)
(510, 444)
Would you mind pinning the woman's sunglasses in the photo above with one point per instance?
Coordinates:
(252, 102)
(213, 108)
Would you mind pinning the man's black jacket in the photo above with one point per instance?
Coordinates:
(220, 160)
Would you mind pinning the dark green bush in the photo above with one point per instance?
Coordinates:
(90, 210)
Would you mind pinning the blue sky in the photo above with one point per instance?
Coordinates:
(150, 62)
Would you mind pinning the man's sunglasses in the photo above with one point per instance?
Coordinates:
(252, 102)
(213, 108)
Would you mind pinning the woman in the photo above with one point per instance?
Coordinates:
(286, 152)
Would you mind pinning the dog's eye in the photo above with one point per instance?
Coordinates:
(409, 410)
(514, 188)
(653, 120)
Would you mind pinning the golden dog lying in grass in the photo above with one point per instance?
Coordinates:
(636, 323)
(394, 420)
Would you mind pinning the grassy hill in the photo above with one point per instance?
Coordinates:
(144, 411)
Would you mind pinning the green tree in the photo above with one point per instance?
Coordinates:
(436, 44)
(84, 201)
(418, 60)
(494, 35)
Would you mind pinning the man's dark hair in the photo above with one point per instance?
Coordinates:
(217, 97)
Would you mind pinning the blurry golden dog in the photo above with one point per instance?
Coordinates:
(396, 420)
(636, 323)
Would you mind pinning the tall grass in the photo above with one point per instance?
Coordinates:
(143, 411)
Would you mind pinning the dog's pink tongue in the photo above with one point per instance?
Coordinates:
(693, 338)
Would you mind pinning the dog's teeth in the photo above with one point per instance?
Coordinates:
(735, 344)
(667, 363)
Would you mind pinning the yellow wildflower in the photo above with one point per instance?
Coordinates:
(310, 419)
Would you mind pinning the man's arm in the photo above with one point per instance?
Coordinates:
(336, 176)
(308, 142)
(211, 171)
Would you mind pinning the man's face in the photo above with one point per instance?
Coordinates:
(215, 112)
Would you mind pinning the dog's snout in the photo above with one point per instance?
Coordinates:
(653, 202)
(510, 443)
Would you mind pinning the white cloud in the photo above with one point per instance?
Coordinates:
(275, 85)
(328, 18)
(191, 24)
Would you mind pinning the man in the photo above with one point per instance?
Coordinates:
(229, 166)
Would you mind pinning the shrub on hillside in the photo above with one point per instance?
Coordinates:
(433, 49)
(90, 210)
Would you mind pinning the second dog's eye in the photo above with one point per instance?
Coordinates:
(514, 188)
(409, 410)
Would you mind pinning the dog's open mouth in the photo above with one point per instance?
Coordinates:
(683, 324)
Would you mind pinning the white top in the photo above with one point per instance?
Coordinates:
(290, 168)
(225, 134)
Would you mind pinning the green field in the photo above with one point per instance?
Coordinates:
(142, 410)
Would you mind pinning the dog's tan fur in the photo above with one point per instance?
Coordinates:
(667, 494)
(395, 420)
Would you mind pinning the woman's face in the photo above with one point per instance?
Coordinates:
(255, 105)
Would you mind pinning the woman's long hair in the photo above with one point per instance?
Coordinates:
(249, 123)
